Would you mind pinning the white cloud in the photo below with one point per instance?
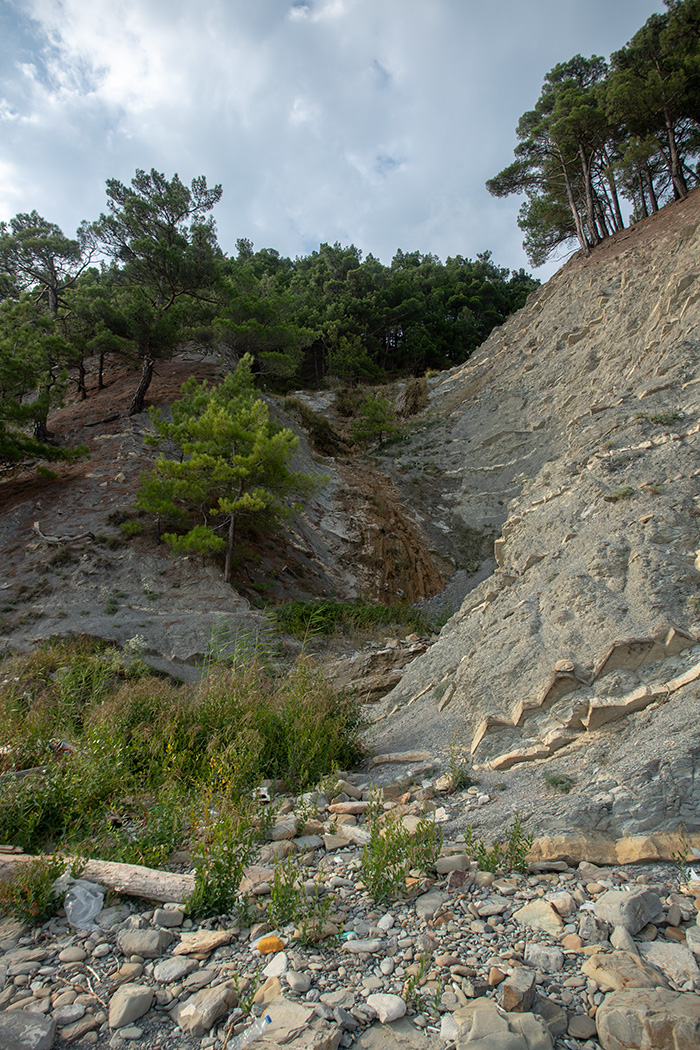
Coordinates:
(325, 120)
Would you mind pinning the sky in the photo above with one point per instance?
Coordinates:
(368, 122)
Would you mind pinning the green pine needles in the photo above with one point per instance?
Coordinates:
(230, 469)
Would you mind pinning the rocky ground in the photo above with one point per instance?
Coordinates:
(566, 957)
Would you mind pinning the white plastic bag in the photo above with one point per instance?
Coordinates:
(83, 902)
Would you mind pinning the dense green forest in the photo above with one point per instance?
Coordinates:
(149, 276)
(606, 132)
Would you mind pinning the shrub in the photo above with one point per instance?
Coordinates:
(509, 855)
(324, 616)
(561, 782)
(392, 852)
(28, 893)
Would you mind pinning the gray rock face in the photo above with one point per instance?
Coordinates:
(631, 909)
(573, 433)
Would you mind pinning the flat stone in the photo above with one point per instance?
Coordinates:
(366, 944)
(334, 842)
(429, 904)
(25, 1030)
(388, 1007)
(128, 1003)
(198, 1013)
(202, 941)
(619, 970)
(540, 915)
(581, 1026)
(74, 953)
(277, 965)
(298, 982)
(544, 957)
(268, 991)
(168, 970)
(632, 908)
(455, 862)
(149, 944)
(284, 828)
(674, 960)
(68, 1014)
(657, 1019)
(518, 990)
(288, 1020)
(168, 917)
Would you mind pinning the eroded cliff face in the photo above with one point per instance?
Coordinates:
(574, 433)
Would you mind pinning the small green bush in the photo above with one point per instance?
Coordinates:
(509, 855)
(561, 782)
(393, 851)
(27, 894)
(624, 492)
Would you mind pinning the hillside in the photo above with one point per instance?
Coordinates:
(573, 432)
(570, 437)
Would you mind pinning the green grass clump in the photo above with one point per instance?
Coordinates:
(624, 492)
(561, 782)
(27, 894)
(104, 757)
(325, 616)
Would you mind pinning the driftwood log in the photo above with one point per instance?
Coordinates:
(135, 880)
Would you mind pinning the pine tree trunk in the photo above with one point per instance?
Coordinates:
(229, 546)
(650, 187)
(680, 186)
(642, 197)
(140, 395)
(580, 233)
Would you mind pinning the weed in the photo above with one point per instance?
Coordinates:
(130, 528)
(393, 851)
(62, 557)
(290, 903)
(219, 862)
(46, 473)
(111, 606)
(681, 861)
(460, 766)
(509, 855)
(28, 894)
(323, 616)
(664, 418)
(624, 492)
(561, 782)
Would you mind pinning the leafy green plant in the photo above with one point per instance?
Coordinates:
(460, 766)
(324, 616)
(392, 852)
(290, 903)
(111, 606)
(664, 418)
(561, 782)
(624, 492)
(131, 528)
(219, 862)
(28, 893)
(508, 855)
